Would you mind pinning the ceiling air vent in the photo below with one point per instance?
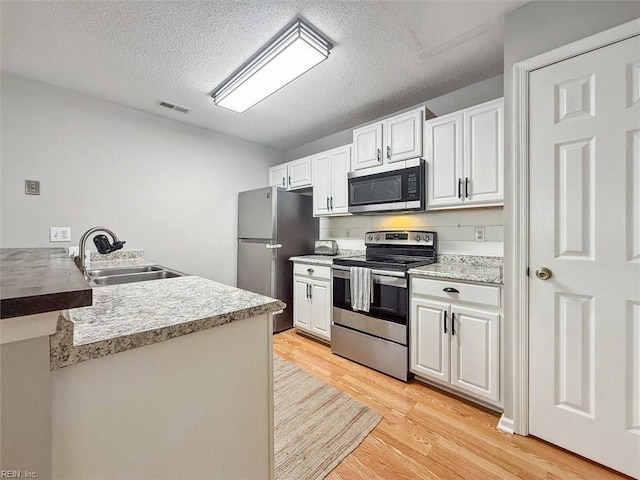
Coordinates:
(174, 107)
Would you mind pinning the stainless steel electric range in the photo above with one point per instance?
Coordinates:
(379, 338)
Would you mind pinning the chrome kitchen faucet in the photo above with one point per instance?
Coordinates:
(116, 245)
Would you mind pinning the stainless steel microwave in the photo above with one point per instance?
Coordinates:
(394, 187)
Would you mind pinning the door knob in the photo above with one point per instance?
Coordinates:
(543, 273)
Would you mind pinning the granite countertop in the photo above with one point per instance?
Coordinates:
(126, 258)
(40, 280)
(133, 315)
(325, 259)
(314, 259)
(468, 268)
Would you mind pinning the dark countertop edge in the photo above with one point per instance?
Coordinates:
(63, 353)
(71, 289)
(52, 302)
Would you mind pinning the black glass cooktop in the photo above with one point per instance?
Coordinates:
(401, 264)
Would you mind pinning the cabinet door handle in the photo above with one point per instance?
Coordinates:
(289, 180)
(378, 155)
(388, 152)
(284, 183)
(466, 187)
(450, 290)
(310, 292)
(327, 203)
(444, 323)
(459, 188)
(453, 323)
(307, 290)
(331, 202)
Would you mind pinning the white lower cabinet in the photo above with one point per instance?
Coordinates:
(312, 299)
(455, 336)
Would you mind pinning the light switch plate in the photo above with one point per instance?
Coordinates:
(478, 234)
(59, 234)
(32, 187)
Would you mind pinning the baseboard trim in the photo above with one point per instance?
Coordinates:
(506, 425)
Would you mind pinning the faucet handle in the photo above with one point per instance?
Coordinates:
(104, 246)
(117, 245)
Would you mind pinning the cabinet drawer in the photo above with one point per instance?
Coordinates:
(483, 294)
(312, 271)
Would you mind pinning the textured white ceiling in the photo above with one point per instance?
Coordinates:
(387, 55)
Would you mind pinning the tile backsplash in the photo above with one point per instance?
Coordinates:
(455, 229)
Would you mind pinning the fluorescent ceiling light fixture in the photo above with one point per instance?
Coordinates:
(297, 49)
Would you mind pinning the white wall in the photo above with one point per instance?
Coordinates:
(535, 28)
(454, 227)
(163, 186)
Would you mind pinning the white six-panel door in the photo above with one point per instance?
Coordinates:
(584, 336)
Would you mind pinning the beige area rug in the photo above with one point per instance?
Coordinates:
(316, 426)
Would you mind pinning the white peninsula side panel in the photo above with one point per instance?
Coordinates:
(195, 406)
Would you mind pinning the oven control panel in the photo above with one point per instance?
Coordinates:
(400, 238)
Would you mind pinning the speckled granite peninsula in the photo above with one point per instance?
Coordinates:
(114, 403)
(133, 315)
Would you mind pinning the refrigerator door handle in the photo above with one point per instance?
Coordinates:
(270, 246)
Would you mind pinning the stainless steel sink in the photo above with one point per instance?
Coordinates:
(117, 276)
(123, 271)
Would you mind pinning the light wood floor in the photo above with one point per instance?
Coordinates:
(426, 433)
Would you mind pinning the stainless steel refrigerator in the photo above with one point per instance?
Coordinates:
(273, 225)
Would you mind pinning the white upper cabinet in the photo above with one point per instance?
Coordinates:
(465, 157)
(392, 140)
(292, 175)
(484, 153)
(299, 173)
(340, 165)
(278, 176)
(444, 143)
(330, 194)
(403, 136)
(321, 163)
(367, 143)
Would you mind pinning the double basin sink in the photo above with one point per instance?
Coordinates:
(117, 276)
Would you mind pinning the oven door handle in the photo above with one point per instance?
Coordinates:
(393, 279)
(375, 272)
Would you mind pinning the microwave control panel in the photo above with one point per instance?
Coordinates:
(412, 185)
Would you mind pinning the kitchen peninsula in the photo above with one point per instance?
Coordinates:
(160, 379)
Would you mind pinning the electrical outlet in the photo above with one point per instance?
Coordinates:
(59, 234)
(478, 234)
